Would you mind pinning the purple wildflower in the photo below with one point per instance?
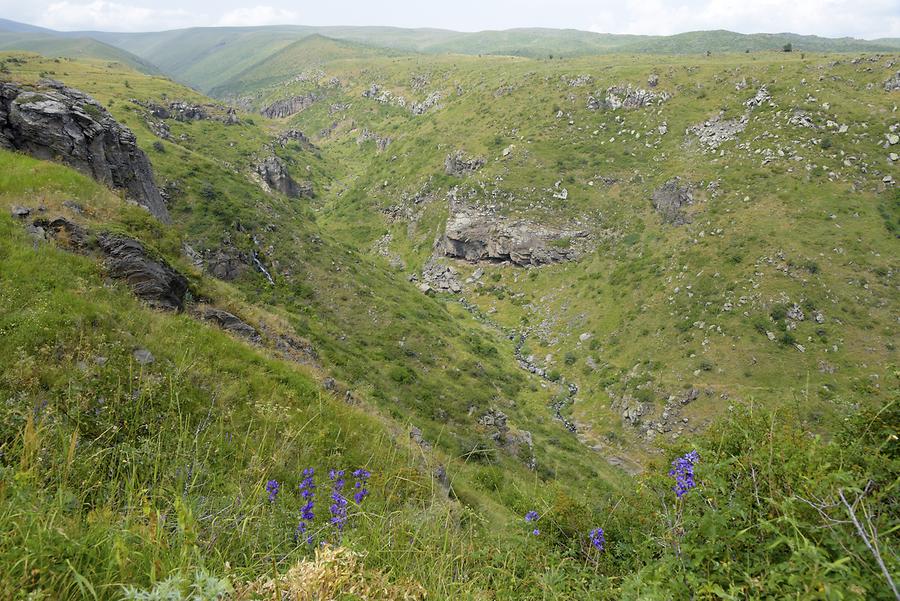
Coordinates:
(308, 493)
(272, 487)
(598, 540)
(683, 472)
(532, 516)
(339, 502)
(362, 478)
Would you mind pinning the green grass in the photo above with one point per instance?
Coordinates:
(114, 474)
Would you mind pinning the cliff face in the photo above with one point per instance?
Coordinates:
(55, 122)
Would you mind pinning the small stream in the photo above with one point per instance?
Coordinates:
(569, 389)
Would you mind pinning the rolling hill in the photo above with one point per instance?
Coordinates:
(207, 57)
(52, 45)
(445, 318)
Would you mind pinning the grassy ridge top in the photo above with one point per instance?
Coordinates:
(206, 57)
(80, 48)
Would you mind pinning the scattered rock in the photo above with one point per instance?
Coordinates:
(653, 80)
(801, 118)
(796, 313)
(762, 96)
(825, 367)
(626, 97)
(53, 121)
(717, 130)
(438, 276)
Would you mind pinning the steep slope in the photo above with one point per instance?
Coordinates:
(742, 255)
(203, 57)
(139, 444)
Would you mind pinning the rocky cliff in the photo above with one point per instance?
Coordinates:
(52, 121)
(477, 235)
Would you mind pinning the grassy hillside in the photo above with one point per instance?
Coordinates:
(115, 470)
(208, 57)
(81, 48)
(783, 215)
(204, 57)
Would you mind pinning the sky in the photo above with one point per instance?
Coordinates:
(833, 18)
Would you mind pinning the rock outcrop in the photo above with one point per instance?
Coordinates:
(151, 280)
(289, 106)
(186, 111)
(459, 164)
(293, 135)
(670, 199)
(474, 235)
(626, 97)
(275, 176)
(431, 101)
(381, 142)
(893, 83)
(226, 262)
(52, 121)
(230, 323)
(518, 443)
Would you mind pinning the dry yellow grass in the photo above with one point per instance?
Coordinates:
(335, 573)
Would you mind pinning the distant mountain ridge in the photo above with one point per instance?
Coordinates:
(207, 57)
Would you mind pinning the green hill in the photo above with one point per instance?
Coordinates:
(207, 57)
(73, 48)
(704, 282)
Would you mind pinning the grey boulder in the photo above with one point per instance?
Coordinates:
(151, 280)
(53, 121)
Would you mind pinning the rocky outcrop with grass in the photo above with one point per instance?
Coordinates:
(152, 280)
(54, 122)
(478, 235)
(275, 176)
(289, 106)
(670, 199)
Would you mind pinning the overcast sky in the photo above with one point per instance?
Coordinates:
(833, 18)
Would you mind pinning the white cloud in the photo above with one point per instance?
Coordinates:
(112, 16)
(258, 15)
(858, 18)
(833, 18)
